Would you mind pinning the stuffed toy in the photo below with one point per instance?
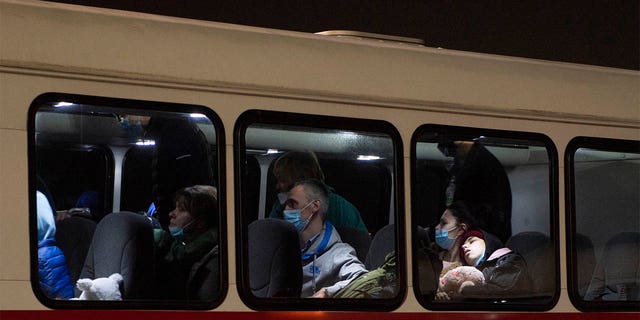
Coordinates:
(457, 279)
(100, 289)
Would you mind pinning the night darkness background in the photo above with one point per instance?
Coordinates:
(602, 33)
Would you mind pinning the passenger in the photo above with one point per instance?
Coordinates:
(298, 165)
(52, 265)
(187, 258)
(478, 178)
(94, 201)
(505, 271)
(89, 205)
(182, 157)
(454, 222)
(328, 264)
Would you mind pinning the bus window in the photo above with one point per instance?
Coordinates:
(603, 223)
(320, 212)
(483, 213)
(126, 193)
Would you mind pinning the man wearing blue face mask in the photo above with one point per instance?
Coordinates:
(328, 263)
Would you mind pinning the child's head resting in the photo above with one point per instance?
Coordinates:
(473, 247)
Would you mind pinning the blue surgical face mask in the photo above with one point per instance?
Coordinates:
(443, 240)
(294, 216)
(176, 231)
(179, 231)
(480, 259)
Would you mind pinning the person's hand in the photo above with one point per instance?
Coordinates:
(466, 284)
(322, 293)
(61, 215)
(442, 296)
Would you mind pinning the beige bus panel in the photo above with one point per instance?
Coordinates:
(127, 45)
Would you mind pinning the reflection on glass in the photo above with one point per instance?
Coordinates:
(141, 218)
(481, 213)
(607, 185)
(330, 190)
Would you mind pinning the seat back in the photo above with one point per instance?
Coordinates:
(427, 263)
(383, 243)
(537, 251)
(74, 236)
(586, 262)
(619, 267)
(358, 239)
(275, 265)
(123, 243)
(204, 283)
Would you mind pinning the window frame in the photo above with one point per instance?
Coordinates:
(601, 144)
(255, 116)
(145, 105)
(469, 132)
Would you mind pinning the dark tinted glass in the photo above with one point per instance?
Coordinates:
(604, 223)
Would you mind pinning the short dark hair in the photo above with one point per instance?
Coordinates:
(463, 214)
(298, 165)
(200, 201)
(315, 189)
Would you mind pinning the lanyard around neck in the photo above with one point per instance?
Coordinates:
(323, 243)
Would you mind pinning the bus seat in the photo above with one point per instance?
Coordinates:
(204, 284)
(586, 262)
(422, 235)
(275, 267)
(383, 243)
(537, 251)
(359, 240)
(123, 243)
(73, 236)
(619, 265)
(427, 263)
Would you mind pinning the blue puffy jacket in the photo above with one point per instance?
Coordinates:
(52, 269)
(52, 266)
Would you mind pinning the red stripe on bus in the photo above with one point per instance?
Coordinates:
(196, 315)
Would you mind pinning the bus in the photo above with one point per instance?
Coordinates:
(109, 117)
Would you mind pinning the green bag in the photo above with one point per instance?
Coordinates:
(376, 284)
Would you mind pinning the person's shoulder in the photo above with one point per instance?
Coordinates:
(510, 258)
(338, 201)
(342, 248)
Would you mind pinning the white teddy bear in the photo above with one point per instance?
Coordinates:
(100, 289)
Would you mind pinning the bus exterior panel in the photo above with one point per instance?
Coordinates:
(231, 69)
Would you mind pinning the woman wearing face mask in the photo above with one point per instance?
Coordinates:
(192, 239)
(454, 222)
